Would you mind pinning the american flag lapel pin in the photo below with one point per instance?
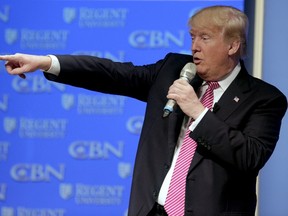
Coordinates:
(236, 99)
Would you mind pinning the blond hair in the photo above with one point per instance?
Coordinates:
(230, 20)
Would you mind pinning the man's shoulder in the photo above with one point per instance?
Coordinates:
(177, 59)
(179, 56)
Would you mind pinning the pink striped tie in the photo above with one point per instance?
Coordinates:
(175, 201)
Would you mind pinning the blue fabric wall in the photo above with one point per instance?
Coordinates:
(274, 176)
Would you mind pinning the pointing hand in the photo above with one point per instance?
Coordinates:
(19, 64)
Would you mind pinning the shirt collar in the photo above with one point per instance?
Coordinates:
(227, 80)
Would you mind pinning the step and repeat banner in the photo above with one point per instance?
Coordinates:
(67, 151)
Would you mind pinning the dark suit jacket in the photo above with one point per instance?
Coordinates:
(234, 141)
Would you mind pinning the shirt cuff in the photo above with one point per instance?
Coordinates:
(196, 121)
(55, 66)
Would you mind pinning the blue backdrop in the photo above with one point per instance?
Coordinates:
(273, 195)
(69, 151)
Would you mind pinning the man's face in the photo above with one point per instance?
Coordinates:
(210, 53)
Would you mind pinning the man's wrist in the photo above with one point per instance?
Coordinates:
(46, 63)
(54, 65)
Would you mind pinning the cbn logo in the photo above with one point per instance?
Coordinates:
(11, 36)
(134, 124)
(36, 172)
(35, 84)
(116, 56)
(156, 39)
(4, 15)
(95, 150)
(69, 14)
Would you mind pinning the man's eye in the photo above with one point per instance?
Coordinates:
(205, 37)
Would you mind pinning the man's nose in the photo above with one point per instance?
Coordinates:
(195, 46)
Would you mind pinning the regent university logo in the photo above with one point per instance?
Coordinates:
(69, 14)
(65, 191)
(11, 36)
(9, 124)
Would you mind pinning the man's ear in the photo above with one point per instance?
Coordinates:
(234, 47)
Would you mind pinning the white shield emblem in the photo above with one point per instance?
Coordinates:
(11, 36)
(124, 169)
(65, 191)
(67, 101)
(69, 14)
(7, 211)
(9, 124)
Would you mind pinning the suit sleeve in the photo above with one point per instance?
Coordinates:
(246, 139)
(106, 76)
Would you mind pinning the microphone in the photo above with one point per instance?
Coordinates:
(187, 73)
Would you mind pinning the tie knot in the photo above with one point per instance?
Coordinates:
(213, 85)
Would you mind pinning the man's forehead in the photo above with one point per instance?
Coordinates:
(204, 30)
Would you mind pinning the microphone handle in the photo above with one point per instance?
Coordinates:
(168, 107)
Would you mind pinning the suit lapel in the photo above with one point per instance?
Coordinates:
(235, 94)
(174, 126)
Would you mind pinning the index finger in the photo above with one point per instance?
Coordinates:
(182, 81)
(6, 57)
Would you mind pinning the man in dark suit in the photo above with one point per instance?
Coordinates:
(234, 139)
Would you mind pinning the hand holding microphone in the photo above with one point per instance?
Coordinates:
(187, 73)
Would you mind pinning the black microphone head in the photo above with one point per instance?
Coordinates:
(188, 71)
